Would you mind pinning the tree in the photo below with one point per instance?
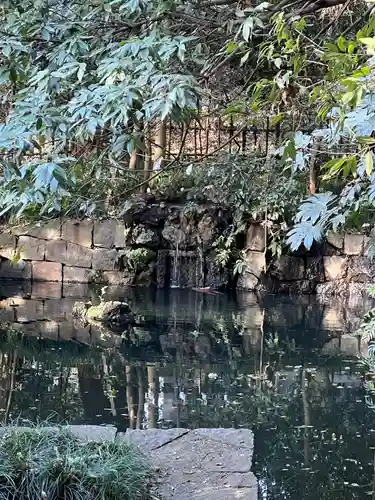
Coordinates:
(85, 83)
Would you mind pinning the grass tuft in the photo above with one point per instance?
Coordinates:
(47, 463)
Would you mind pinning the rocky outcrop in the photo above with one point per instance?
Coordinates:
(108, 312)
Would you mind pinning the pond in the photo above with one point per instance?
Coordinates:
(286, 368)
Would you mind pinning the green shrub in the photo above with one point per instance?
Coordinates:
(46, 464)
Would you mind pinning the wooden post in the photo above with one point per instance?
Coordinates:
(136, 157)
(244, 137)
(231, 133)
(159, 145)
(313, 169)
(147, 167)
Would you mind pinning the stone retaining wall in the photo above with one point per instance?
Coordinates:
(160, 245)
(338, 267)
(67, 251)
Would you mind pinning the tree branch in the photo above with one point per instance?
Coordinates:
(319, 5)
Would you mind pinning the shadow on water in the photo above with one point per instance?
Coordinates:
(286, 368)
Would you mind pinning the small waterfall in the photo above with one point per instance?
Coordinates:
(199, 267)
(175, 278)
(186, 267)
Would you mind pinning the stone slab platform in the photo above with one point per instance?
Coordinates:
(201, 464)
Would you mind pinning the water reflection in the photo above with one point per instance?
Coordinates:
(285, 368)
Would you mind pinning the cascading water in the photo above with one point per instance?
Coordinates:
(199, 267)
(175, 278)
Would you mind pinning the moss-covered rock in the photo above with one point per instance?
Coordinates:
(114, 312)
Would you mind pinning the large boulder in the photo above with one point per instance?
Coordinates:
(112, 312)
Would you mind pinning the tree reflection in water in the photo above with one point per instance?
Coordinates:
(314, 433)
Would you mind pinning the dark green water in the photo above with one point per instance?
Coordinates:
(281, 367)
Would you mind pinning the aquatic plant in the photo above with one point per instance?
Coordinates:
(41, 462)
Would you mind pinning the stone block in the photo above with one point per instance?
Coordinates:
(15, 288)
(325, 291)
(335, 239)
(206, 230)
(289, 268)
(93, 432)
(46, 271)
(46, 290)
(175, 235)
(30, 310)
(358, 293)
(20, 270)
(55, 251)
(66, 330)
(105, 233)
(76, 274)
(333, 319)
(117, 278)
(315, 269)
(82, 334)
(255, 265)
(208, 461)
(47, 231)
(367, 242)
(151, 439)
(59, 310)
(13, 302)
(353, 244)
(360, 270)
(7, 314)
(78, 290)
(296, 287)
(48, 329)
(120, 235)
(30, 329)
(241, 438)
(104, 259)
(225, 493)
(335, 267)
(78, 232)
(252, 318)
(7, 245)
(248, 282)
(31, 248)
(353, 320)
(78, 256)
(256, 238)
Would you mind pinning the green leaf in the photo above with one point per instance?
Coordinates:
(333, 166)
(6, 50)
(277, 119)
(341, 43)
(244, 58)
(81, 71)
(369, 163)
(278, 62)
(247, 28)
(348, 97)
(232, 45)
(370, 42)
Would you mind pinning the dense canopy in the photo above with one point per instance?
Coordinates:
(90, 91)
